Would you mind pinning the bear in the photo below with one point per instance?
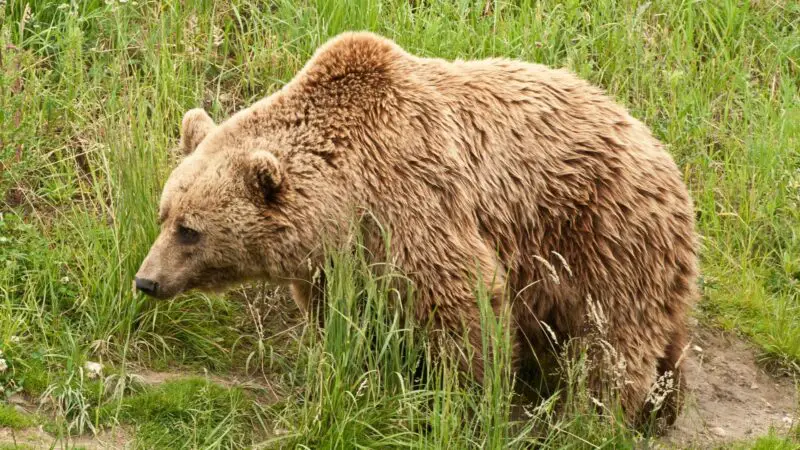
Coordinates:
(525, 178)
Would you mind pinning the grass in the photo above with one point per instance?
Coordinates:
(13, 419)
(91, 96)
(190, 413)
(770, 442)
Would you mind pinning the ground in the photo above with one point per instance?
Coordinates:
(91, 97)
(731, 400)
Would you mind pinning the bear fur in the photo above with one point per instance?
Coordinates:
(529, 176)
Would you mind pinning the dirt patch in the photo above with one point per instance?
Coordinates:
(37, 438)
(121, 437)
(730, 397)
(264, 390)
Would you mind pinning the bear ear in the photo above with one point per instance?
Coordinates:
(266, 174)
(195, 127)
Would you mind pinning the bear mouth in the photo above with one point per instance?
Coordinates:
(213, 280)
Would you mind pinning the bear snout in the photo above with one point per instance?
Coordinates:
(146, 286)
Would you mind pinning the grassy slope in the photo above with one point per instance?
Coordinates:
(91, 98)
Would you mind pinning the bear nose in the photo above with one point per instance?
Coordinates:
(149, 287)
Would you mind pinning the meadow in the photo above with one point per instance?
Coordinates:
(91, 97)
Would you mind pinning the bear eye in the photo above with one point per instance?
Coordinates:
(187, 235)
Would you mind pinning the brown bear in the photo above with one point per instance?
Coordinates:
(529, 176)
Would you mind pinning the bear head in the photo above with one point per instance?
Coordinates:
(227, 212)
(258, 195)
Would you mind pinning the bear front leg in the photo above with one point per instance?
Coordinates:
(448, 298)
(310, 298)
(479, 342)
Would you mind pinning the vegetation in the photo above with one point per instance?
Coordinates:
(11, 418)
(91, 97)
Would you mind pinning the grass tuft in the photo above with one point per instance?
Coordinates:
(11, 418)
(189, 413)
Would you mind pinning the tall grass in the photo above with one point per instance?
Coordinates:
(91, 96)
(371, 380)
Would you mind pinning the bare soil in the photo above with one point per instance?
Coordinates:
(264, 390)
(36, 438)
(730, 397)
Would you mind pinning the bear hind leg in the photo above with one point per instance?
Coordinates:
(669, 369)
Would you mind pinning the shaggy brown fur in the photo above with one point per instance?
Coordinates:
(531, 175)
